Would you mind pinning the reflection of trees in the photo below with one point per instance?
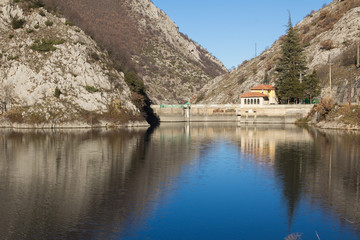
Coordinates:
(323, 165)
(337, 182)
(291, 163)
(327, 170)
(51, 181)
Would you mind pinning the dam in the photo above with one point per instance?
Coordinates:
(248, 114)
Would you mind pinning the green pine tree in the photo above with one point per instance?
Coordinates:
(291, 67)
(311, 86)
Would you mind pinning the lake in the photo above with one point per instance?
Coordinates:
(179, 181)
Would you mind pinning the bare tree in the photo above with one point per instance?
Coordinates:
(6, 96)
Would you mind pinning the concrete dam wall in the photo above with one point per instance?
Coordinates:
(232, 113)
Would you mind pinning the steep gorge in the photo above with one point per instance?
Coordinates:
(143, 38)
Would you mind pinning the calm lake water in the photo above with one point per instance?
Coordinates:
(203, 181)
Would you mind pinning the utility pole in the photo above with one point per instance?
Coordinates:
(350, 92)
(358, 56)
(329, 62)
(255, 50)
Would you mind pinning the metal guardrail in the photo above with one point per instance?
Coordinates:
(172, 106)
(187, 105)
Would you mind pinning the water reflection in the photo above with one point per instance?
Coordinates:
(85, 184)
(53, 181)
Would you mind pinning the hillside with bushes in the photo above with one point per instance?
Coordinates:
(53, 75)
(332, 33)
(143, 39)
(330, 115)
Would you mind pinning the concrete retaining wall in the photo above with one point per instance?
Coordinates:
(274, 113)
(234, 113)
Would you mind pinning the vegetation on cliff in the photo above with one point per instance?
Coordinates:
(52, 74)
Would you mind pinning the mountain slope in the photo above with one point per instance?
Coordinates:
(52, 73)
(143, 38)
(333, 30)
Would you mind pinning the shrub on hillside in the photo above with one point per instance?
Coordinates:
(27, 5)
(68, 23)
(138, 100)
(95, 56)
(49, 23)
(57, 93)
(17, 22)
(324, 107)
(327, 44)
(46, 45)
(42, 13)
(135, 83)
(91, 89)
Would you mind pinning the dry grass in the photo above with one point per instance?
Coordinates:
(346, 114)
(324, 108)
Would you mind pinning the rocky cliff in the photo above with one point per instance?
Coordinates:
(143, 38)
(52, 73)
(332, 31)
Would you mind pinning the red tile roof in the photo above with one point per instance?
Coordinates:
(263, 87)
(253, 95)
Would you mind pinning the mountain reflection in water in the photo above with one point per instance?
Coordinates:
(248, 182)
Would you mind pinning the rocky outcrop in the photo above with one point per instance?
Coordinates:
(142, 37)
(332, 31)
(52, 73)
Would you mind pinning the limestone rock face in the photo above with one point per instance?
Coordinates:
(50, 67)
(333, 30)
(144, 38)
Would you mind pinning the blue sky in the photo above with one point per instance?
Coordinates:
(229, 29)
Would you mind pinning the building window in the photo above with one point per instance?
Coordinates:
(258, 101)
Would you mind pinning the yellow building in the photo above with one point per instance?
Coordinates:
(260, 95)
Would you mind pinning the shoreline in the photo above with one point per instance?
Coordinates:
(71, 125)
(336, 126)
(4, 124)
